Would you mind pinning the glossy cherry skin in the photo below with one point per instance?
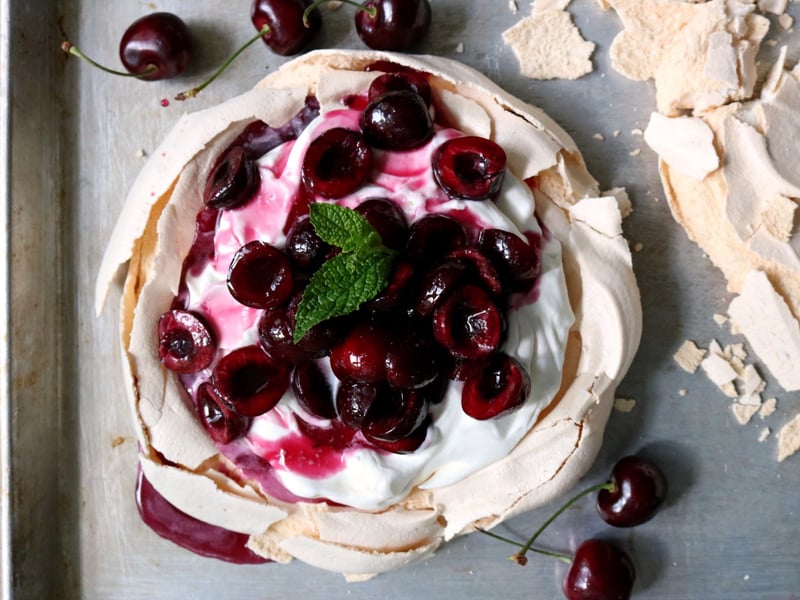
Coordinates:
(287, 34)
(397, 120)
(500, 386)
(640, 488)
(599, 571)
(222, 424)
(470, 168)
(249, 382)
(159, 39)
(260, 275)
(233, 181)
(397, 24)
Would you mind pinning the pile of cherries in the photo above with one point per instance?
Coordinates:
(442, 315)
(159, 45)
(599, 570)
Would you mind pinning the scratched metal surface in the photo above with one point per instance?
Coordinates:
(75, 139)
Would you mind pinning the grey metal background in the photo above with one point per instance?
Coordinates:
(72, 140)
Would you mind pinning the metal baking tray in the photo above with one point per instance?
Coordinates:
(71, 141)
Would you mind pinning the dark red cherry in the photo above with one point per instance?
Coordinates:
(362, 354)
(387, 219)
(275, 335)
(437, 284)
(433, 237)
(393, 416)
(287, 34)
(353, 399)
(517, 261)
(260, 275)
(222, 424)
(468, 324)
(640, 488)
(412, 361)
(470, 168)
(337, 163)
(161, 40)
(305, 248)
(502, 386)
(249, 382)
(396, 25)
(185, 343)
(397, 121)
(409, 81)
(313, 391)
(404, 445)
(396, 292)
(234, 180)
(599, 571)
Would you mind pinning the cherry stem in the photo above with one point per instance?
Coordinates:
(70, 48)
(515, 558)
(197, 89)
(527, 546)
(370, 10)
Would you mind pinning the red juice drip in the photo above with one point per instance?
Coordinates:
(188, 532)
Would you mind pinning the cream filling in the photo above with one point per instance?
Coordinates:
(457, 445)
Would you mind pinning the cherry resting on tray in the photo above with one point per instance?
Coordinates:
(156, 46)
(598, 569)
(290, 27)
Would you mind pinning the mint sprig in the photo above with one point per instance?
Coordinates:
(350, 278)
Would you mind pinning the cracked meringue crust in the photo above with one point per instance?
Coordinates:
(155, 231)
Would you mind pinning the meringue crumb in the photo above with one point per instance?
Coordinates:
(624, 405)
(638, 247)
(543, 5)
(682, 392)
(616, 132)
(768, 408)
(743, 412)
(533, 37)
(689, 356)
(720, 319)
(786, 22)
(789, 438)
(637, 131)
(460, 48)
(117, 441)
(599, 137)
(777, 217)
(764, 434)
(140, 153)
(635, 152)
(513, 7)
(718, 369)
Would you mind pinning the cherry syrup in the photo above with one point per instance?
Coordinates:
(190, 533)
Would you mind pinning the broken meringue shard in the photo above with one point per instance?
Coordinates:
(352, 507)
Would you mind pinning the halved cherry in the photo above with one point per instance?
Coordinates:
(405, 445)
(234, 180)
(500, 388)
(249, 382)
(221, 423)
(387, 219)
(260, 275)
(470, 168)
(304, 247)
(480, 269)
(468, 323)
(437, 284)
(353, 399)
(412, 361)
(185, 343)
(337, 163)
(433, 237)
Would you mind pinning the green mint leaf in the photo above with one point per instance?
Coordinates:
(343, 227)
(341, 285)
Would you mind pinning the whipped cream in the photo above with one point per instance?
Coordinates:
(457, 445)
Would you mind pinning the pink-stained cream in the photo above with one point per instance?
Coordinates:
(346, 469)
